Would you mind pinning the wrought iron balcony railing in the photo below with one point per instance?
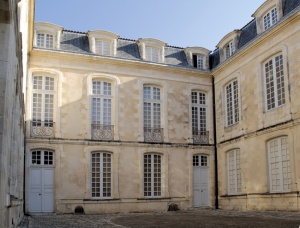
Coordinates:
(42, 128)
(200, 137)
(153, 134)
(102, 132)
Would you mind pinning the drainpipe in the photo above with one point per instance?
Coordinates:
(24, 169)
(215, 144)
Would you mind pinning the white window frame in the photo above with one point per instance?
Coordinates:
(154, 174)
(234, 179)
(200, 160)
(198, 105)
(232, 103)
(153, 102)
(42, 157)
(152, 54)
(102, 47)
(270, 18)
(199, 61)
(44, 94)
(97, 191)
(102, 96)
(44, 42)
(279, 164)
(273, 99)
(229, 49)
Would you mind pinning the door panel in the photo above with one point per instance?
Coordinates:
(48, 190)
(200, 186)
(35, 197)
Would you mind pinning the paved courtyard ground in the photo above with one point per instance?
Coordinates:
(181, 219)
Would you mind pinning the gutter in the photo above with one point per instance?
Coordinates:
(215, 143)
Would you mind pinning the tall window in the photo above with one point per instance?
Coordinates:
(234, 172)
(102, 47)
(270, 18)
(274, 81)
(279, 165)
(42, 157)
(101, 110)
(198, 61)
(229, 49)
(44, 40)
(152, 175)
(42, 106)
(152, 54)
(101, 180)
(232, 103)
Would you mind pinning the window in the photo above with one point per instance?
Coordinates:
(152, 175)
(232, 103)
(200, 134)
(152, 114)
(229, 49)
(42, 157)
(234, 172)
(198, 61)
(102, 47)
(200, 160)
(44, 40)
(152, 54)
(42, 106)
(101, 178)
(274, 81)
(279, 165)
(101, 111)
(270, 18)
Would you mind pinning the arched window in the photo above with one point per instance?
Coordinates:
(42, 157)
(152, 175)
(101, 175)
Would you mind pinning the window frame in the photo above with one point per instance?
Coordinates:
(237, 174)
(235, 105)
(105, 48)
(280, 164)
(198, 61)
(42, 157)
(229, 49)
(154, 56)
(45, 34)
(152, 176)
(101, 175)
(270, 106)
(199, 106)
(271, 21)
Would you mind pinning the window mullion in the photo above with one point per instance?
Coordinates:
(275, 81)
(232, 103)
(280, 163)
(101, 175)
(152, 175)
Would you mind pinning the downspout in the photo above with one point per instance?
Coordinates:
(215, 144)
(24, 169)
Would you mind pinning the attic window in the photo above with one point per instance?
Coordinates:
(229, 49)
(198, 61)
(102, 47)
(44, 40)
(270, 18)
(152, 54)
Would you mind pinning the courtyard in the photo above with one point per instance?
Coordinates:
(181, 219)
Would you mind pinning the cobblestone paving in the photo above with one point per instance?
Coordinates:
(180, 219)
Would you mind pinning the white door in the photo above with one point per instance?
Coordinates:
(41, 197)
(200, 181)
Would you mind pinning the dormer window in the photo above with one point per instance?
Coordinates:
(103, 42)
(44, 40)
(47, 35)
(270, 18)
(197, 57)
(229, 49)
(152, 50)
(229, 44)
(268, 15)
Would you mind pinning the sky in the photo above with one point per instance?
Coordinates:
(181, 23)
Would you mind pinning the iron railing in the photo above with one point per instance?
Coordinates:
(102, 132)
(153, 134)
(42, 128)
(200, 137)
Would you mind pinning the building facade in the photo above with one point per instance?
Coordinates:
(118, 125)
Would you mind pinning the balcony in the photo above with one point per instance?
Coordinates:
(153, 134)
(200, 137)
(102, 132)
(41, 128)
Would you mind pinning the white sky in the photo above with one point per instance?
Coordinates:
(180, 23)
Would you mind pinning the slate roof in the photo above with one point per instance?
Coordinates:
(77, 42)
(249, 32)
